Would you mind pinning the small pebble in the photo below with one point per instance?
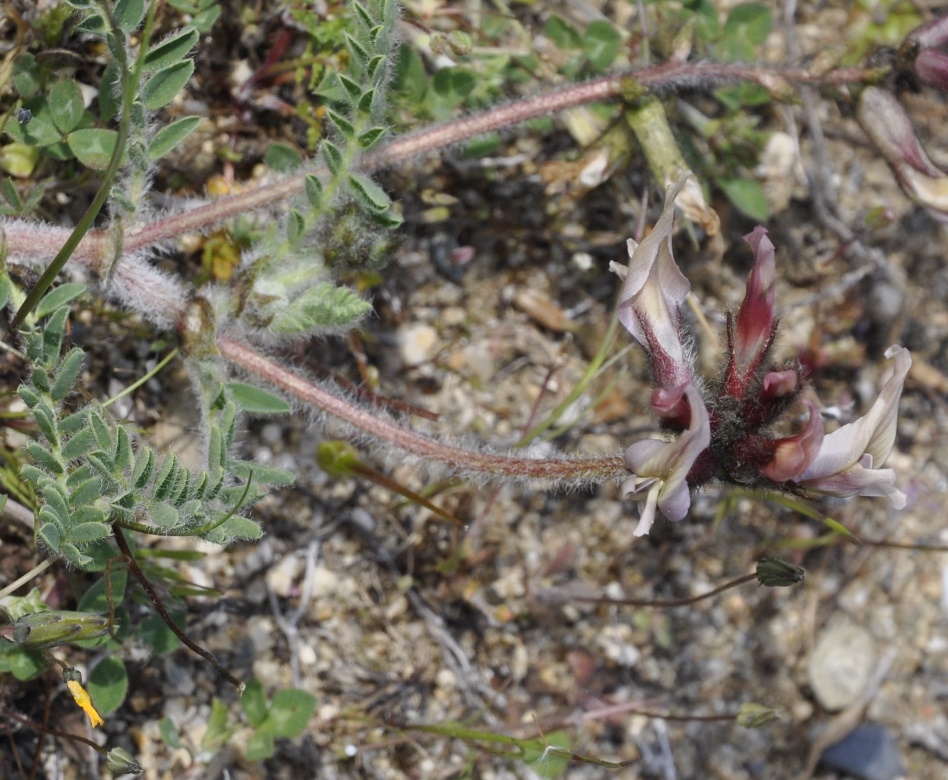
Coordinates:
(417, 344)
(868, 753)
(841, 664)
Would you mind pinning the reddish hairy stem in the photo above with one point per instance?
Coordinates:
(670, 75)
(583, 469)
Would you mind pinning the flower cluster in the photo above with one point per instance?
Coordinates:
(725, 427)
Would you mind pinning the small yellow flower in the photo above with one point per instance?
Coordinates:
(85, 702)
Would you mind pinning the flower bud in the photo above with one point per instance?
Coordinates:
(777, 573)
(931, 66)
(121, 762)
(931, 34)
(753, 716)
(49, 629)
(888, 126)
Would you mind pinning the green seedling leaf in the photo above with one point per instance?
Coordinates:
(169, 733)
(751, 22)
(748, 196)
(453, 85)
(218, 732)
(562, 34)
(16, 607)
(368, 193)
(93, 146)
(254, 703)
(65, 104)
(162, 87)
(601, 43)
(255, 400)
(259, 747)
(289, 714)
(108, 684)
(171, 50)
(171, 135)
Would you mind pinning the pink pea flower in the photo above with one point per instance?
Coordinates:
(794, 454)
(849, 459)
(754, 331)
(660, 469)
(653, 289)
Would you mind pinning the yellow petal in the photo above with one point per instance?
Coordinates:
(85, 702)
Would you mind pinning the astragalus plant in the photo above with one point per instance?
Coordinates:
(89, 478)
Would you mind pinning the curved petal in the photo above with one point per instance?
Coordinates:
(871, 434)
(653, 289)
(794, 454)
(848, 461)
(662, 467)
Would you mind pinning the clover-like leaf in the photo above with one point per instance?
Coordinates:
(65, 104)
(108, 685)
(93, 146)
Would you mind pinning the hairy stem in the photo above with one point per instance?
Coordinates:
(559, 469)
(670, 75)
